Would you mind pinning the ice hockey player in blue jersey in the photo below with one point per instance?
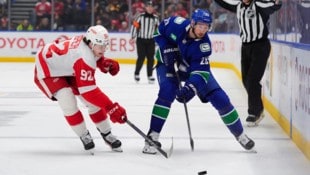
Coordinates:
(185, 43)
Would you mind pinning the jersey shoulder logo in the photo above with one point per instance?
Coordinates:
(179, 20)
(205, 47)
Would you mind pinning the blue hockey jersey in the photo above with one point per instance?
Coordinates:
(194, 53)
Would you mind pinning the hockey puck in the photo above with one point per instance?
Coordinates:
(202, 172)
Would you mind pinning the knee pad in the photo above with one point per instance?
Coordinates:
(220, 101)
(91, 108)
(167, 91)
(67, 101)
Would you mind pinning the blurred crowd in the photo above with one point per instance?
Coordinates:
(117, 15)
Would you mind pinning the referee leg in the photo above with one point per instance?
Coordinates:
(141, 52)
(150, 57)
(260, 54)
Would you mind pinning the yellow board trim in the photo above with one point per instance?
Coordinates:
(16, 59)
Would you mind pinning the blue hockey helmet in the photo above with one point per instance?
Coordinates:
(203, 16)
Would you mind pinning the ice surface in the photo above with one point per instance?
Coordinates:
(36, 140)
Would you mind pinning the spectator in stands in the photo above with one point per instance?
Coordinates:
(103, 16)
(157, 7)
(59, 8)
(115, 24)
(24, 26)
(170, 11)
(304, 10)
(113, 8)
(4, 22)
(99, 22)
(202, 4)
(137, 7)
(68, 16)
(180, 10)
(42, 10)
(44, 25)
(124, 27)
(80, 17)
(286, 20)
(58, 23)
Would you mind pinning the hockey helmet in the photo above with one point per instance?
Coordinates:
(97, 35)
(203, 16)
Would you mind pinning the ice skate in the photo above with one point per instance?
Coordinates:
(151, 79)
(137, 78)
(148, 147)
(87, 141)
(112, 141)
(253, 120)
(245, 141)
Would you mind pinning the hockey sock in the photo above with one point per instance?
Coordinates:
(228, 113)
(101, 122)
(160, 113)
(232, 121)
(76, 121)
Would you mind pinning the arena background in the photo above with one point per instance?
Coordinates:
(286, 83)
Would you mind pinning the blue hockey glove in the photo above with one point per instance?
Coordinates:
(170, 55)
(186, 93)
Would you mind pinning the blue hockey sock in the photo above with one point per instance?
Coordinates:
(160, 113)
(232, 121)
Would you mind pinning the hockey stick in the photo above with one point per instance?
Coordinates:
(164, 153)
(186, 114)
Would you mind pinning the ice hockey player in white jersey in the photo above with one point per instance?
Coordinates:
(65, 70)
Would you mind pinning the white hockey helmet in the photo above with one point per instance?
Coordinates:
(98, 35)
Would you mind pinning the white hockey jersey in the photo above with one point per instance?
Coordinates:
(58, 59)
(72, 58)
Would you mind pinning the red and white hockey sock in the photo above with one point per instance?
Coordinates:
(76, 121)
(100, 120)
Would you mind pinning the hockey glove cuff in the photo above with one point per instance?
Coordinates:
(186, 93)
(117, 114)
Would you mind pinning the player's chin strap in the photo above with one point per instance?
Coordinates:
(193, 29)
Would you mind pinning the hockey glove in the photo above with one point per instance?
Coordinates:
(186, 93)
(117, 113)
(108, 65)
(170, 55)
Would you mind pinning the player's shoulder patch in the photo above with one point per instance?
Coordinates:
(179, 20)
(205, 47)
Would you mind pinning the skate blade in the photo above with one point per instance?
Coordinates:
(252, 151)
(149, 151)
(252, 125)
(255, 124)
(90, 152)
(117, 149)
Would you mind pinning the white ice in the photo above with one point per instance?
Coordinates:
(36, 140)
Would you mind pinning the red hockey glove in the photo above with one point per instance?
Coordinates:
(117, 113)
(108, 65)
